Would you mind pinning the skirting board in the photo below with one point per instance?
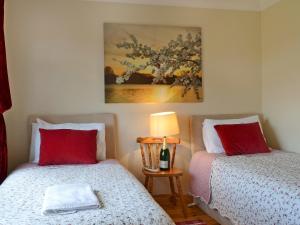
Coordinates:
(212, 212)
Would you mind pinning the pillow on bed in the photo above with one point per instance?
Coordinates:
(240, 139)
(34, 133)
(36, 140)
(60, 147)
(211, 139)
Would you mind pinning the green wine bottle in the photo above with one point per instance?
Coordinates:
(164, 163)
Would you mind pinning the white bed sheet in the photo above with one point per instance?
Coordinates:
(125, 199)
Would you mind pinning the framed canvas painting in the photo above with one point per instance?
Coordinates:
(152, 64)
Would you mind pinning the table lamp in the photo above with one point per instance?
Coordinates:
(163, 124)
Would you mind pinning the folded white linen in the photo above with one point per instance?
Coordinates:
(69, 198)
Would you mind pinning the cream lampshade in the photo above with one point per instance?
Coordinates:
(163, 124)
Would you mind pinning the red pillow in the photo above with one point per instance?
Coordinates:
(68, 147)
(239, 139)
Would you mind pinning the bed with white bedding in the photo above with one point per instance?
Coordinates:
(124, 199)
(258, 189)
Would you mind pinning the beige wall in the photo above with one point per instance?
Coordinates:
(281, 73)
(55, 59)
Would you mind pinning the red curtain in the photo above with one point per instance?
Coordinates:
(5, 99)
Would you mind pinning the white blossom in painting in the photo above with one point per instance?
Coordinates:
(180, 61)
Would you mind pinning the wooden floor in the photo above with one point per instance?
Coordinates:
(175, 212)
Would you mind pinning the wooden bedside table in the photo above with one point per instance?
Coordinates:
(174, 174)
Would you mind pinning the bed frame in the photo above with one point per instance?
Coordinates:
(107, 118)
(197, 144)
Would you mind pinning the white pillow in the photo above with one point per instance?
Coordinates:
(211, 139)
(36, 138)
(34, 133)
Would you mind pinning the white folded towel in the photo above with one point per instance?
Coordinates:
(69, 198)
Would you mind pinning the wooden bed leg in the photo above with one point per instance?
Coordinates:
(190, 205)
(181, 195)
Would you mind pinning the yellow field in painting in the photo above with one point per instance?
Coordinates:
(132, 93)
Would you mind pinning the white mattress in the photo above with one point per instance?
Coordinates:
(125, 199)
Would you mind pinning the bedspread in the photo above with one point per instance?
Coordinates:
(200, 173)
(258, 189)
(125, 199)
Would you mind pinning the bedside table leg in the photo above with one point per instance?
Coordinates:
(146, 182)
(173, 197)
(181, 195)
(150, 189)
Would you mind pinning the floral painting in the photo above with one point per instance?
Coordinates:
(152, 64)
